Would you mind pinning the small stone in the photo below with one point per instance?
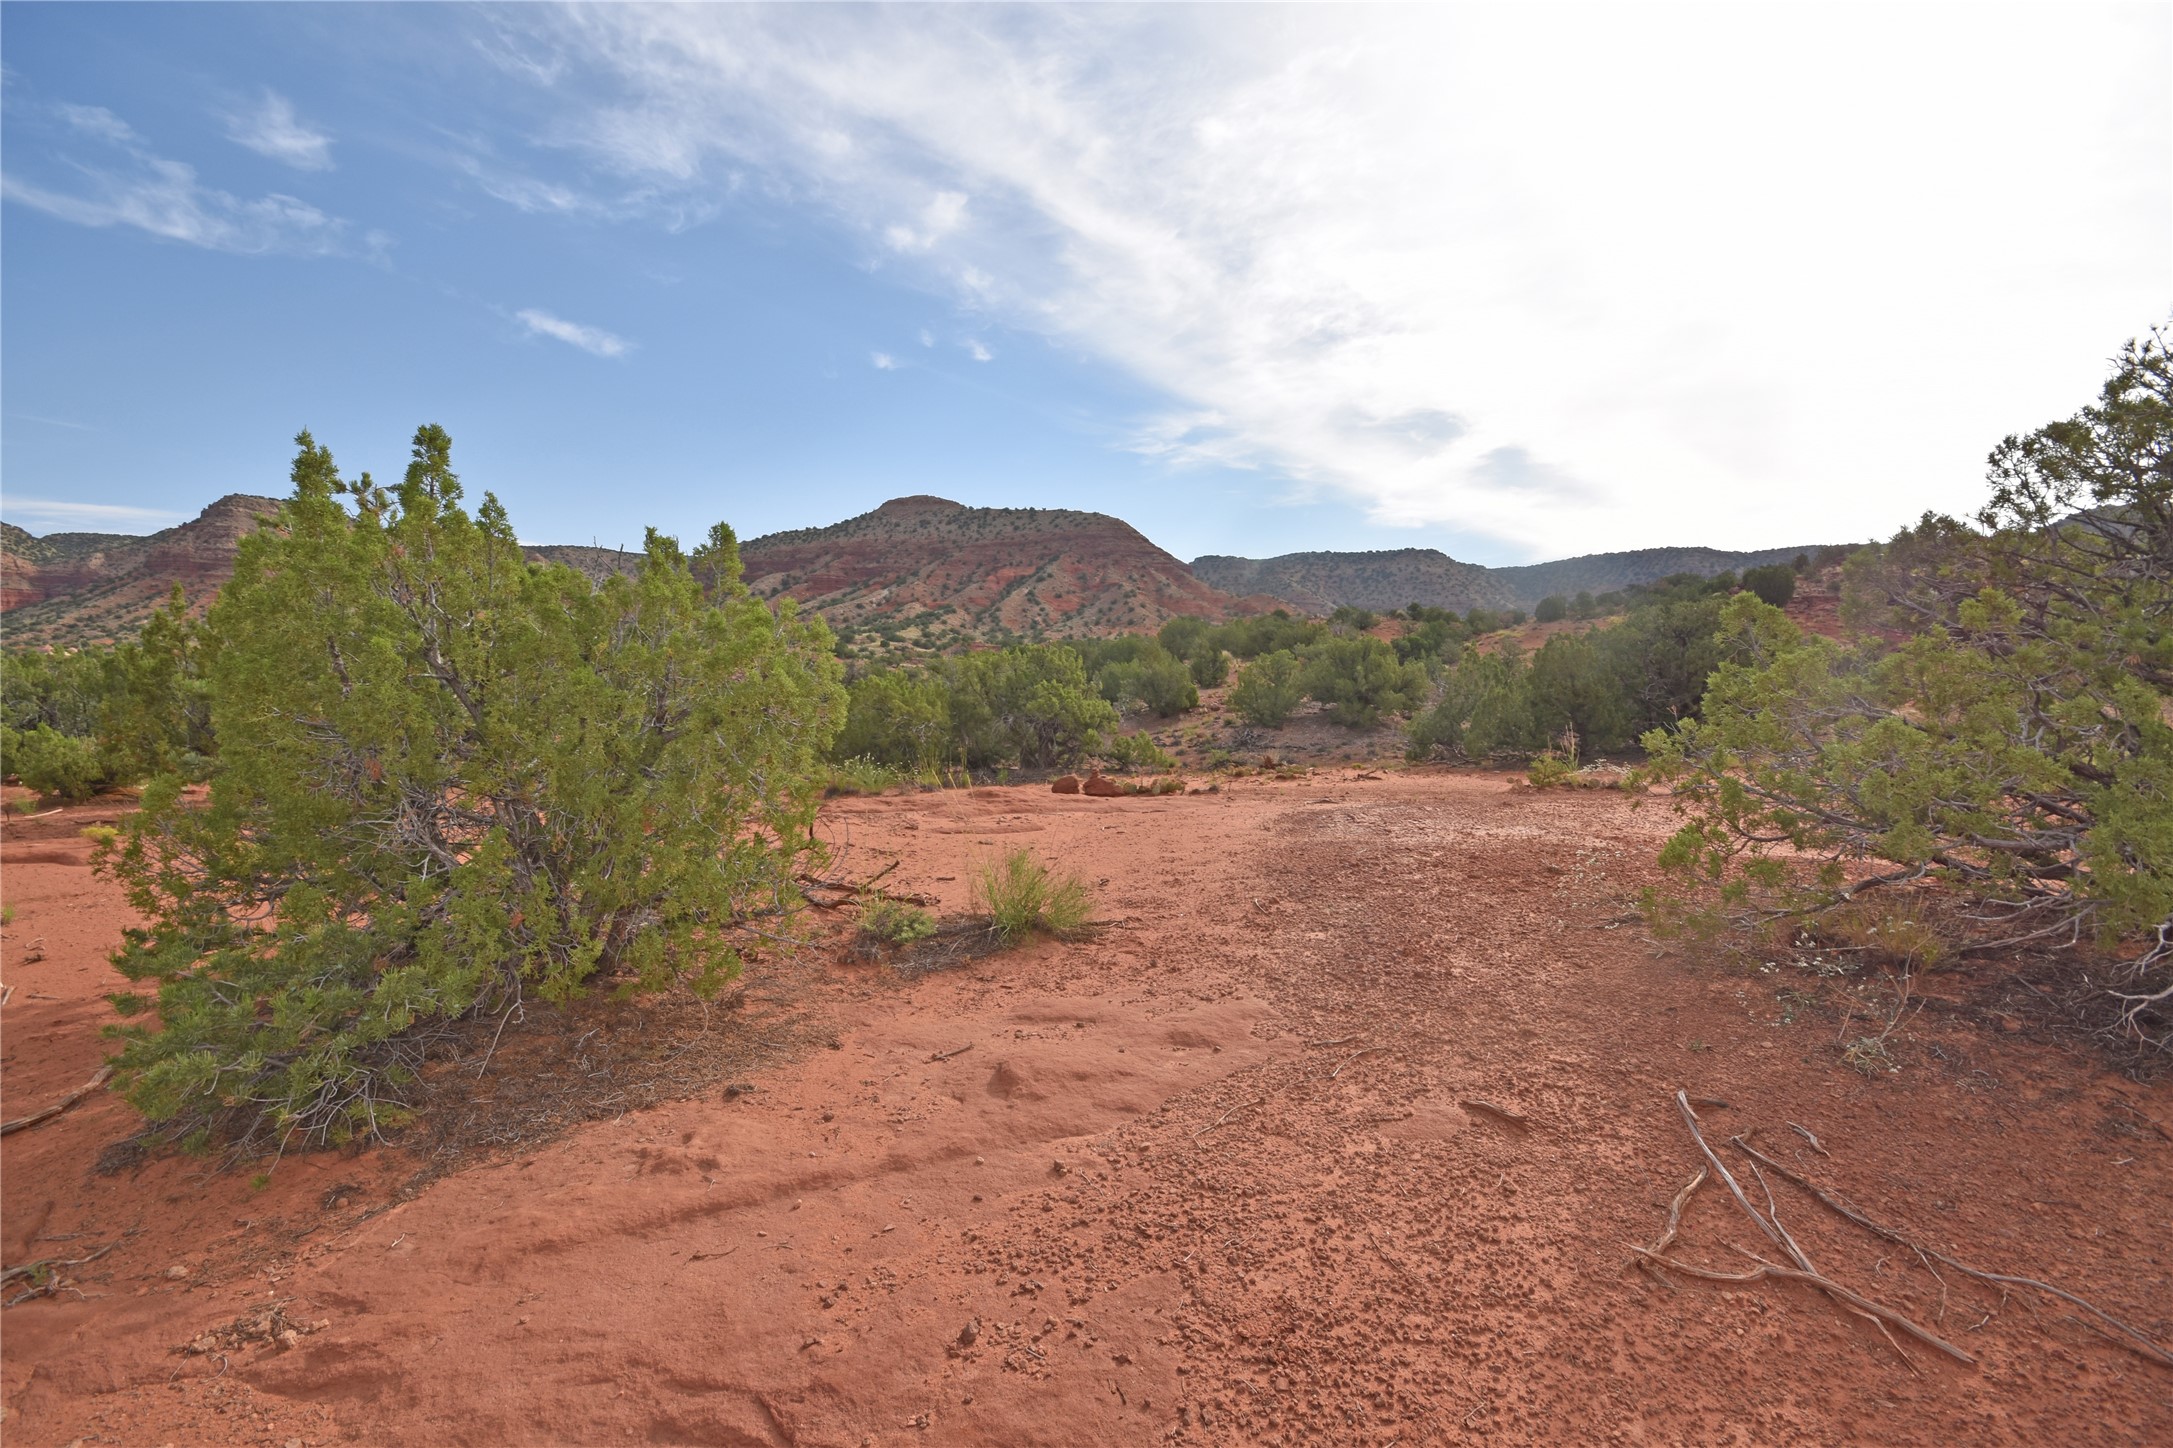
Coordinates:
(970, 1333)
(1065, 784)
(176, 1272)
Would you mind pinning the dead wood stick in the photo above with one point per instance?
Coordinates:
(1369, 1051)
(1674, 1224)
(1720, 1169)
(1492, 1110)
(1779, 1237)
(1805, 1133)
(2127, 1336)
(22, 1123)
(946, 1055)
(1767, 1269)
(30, 1269)
(1803, 1260)
(847, 886)
(1242, 1105)
(1338, 1041)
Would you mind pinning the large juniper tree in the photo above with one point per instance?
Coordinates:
(448, 778)
(2013, 742)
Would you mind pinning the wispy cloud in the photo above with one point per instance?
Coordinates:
(1639, 263)
(882, 362)
(139, 188)
(944, 214)
(96, 121)
(589, 339)
(85, 517)
(977, 351)
(272, 129)
(52, 421)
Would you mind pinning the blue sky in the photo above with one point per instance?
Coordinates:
(1512, 282)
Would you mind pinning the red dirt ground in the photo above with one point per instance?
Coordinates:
(1210, 1178)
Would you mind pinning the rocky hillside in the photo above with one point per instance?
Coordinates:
(1605, 572)
(979, 571)
(1320, 583)
(79, 588)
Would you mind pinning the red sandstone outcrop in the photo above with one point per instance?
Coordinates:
(74, 588)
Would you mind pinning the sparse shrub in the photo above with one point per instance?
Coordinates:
(899, 922)
(449, 779)
(1361, 680)
(53, 763)
(861, 776)
(1153, 680)
(1552, 609)
(1133, 752)
(1269, 690)
(1550, 770)
(100, 834)
(2013, 747)
(1020, 896)
(1775, 583)
(1210, 668)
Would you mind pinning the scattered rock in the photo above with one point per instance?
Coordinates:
(176, 1272)
(1101, 787)
(1064, 784)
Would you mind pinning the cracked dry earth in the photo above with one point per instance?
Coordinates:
(1215, 1177)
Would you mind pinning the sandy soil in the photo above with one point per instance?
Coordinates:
(1213, 1178)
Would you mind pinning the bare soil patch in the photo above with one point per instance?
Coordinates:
(1343, 1133)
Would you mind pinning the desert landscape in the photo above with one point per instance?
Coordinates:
(1245, 726)
(1341, 1129)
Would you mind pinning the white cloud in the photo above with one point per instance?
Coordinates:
(164, 197)
(1747, 275)
(978, 352)
(589, 339)
(97, 121)
(86, 517)
(944, 214)
(928, 338)
(882, 362)
(273, 130)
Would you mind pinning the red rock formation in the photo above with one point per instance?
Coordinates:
(1050, 570)
(75, 588)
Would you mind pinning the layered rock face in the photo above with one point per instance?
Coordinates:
(79, 588)
(1027, 570)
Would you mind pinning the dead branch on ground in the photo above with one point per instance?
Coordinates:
(22, 1123)
(2119, 1331)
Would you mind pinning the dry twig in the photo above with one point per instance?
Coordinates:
(2120, 1331)
(21, 1123)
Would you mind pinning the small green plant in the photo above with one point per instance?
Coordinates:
(898, 921)
(1020, 896)
(1550, 770)
(27, 805)
(101, 834)
(260, 1181)
(7, 914)
(862, 775)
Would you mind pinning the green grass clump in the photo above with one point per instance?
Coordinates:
(896, 921)
(1549, 770)
(862, 776)
(1020, 896)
